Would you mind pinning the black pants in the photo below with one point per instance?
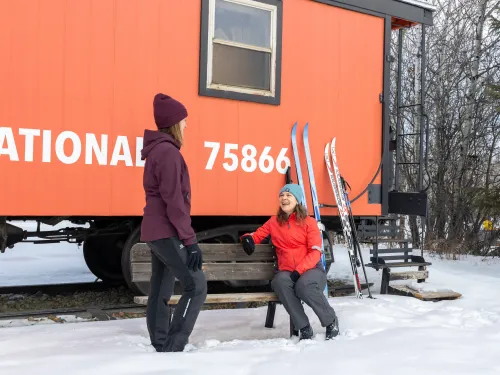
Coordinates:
(168, 258)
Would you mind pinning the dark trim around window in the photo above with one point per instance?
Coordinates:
(227, 94)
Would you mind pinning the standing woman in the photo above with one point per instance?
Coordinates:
(166, 227)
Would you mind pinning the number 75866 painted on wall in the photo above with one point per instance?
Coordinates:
(249, 161)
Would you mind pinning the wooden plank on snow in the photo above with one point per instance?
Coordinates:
(410, 275)
(423, 295)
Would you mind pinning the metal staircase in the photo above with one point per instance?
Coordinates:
(377, 230)
(412, 161)
(408, 158)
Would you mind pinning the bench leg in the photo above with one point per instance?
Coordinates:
(293, 331)
(421, 268)
(386, 277)
(271, 311)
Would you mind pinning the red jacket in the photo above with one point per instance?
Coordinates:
(298, 246)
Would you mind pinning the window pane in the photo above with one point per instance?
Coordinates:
(242, 24)
(241, 67)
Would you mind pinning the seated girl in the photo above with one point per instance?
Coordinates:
(301, 275)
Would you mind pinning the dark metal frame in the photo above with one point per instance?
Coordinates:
(398, 105)
(406, 11)
(203, 90)
(411, 203)
(386, 155)
(423, 115)
(422, 112)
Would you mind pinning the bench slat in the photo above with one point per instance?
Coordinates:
(216, 271)
(396, 257)
(398, 264)
(212, 252)
(391, 251)
(221, 298)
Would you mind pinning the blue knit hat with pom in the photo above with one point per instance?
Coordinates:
(293, 189)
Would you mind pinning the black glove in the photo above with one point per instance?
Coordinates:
(294, 276)
(248, 244)
(195, 257)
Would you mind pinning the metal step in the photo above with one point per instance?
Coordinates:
(391, 251)
(386, 240)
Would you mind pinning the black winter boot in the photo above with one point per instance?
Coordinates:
(332, 330)
(306, 333)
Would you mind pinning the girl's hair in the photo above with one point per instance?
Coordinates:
(175, 132)
(300, 212)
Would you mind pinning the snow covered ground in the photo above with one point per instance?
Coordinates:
(386, 335)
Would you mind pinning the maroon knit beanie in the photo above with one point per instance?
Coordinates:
(167, 111)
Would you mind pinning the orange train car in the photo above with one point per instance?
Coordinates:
(77, 83)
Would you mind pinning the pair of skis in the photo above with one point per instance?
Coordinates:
(346, 217)
(343, 204)
(312, 184)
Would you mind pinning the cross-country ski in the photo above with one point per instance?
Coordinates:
(314, 196)
(343, 214)
(296, 157)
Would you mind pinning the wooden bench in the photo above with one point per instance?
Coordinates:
(221, 262)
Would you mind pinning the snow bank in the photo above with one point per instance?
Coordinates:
(386, 335)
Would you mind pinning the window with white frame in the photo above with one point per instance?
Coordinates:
(241, 54)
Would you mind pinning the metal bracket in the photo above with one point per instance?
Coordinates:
(375, 194)
(408, 203)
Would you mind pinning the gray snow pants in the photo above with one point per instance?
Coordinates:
(309, 288)
(168, 259)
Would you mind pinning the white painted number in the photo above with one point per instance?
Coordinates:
(228, 154)
(249, 153)
(215, 149)
(249, 160)
(266, 162)
(282, 158)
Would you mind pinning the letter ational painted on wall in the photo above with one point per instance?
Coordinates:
(69, 147)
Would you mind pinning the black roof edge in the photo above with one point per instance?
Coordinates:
(410, 10)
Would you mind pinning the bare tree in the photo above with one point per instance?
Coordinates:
(464, 130)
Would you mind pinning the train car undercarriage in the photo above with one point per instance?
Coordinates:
(107, 241)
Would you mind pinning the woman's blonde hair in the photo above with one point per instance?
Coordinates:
(300, 212)
(175, 132)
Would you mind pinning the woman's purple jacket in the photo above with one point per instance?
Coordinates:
(168, 190)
